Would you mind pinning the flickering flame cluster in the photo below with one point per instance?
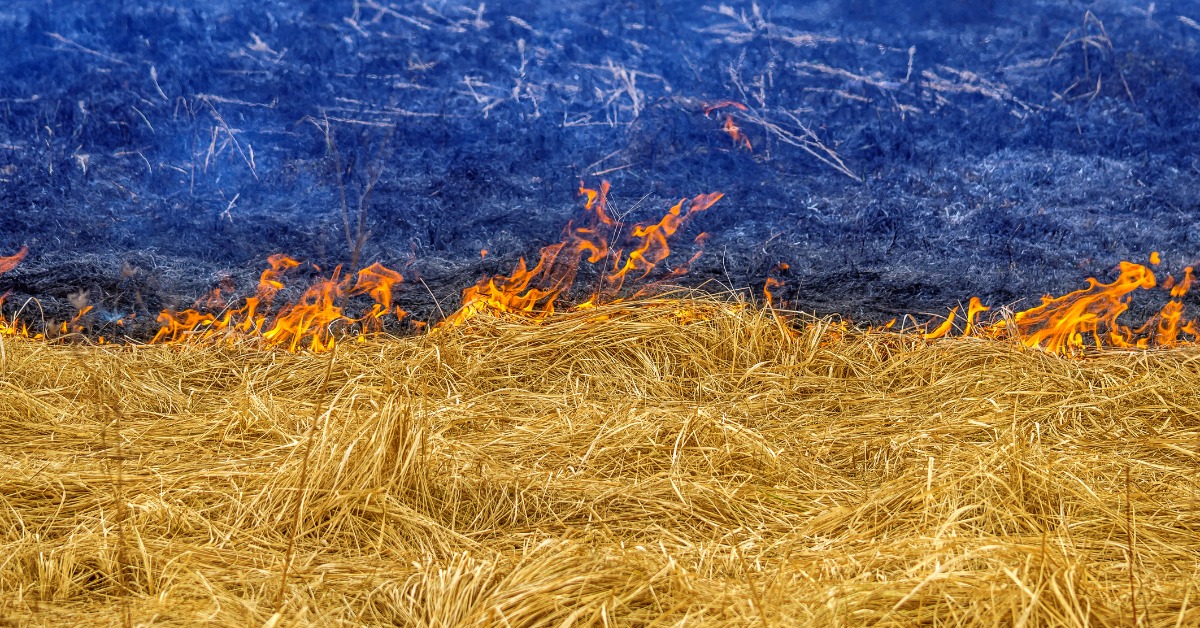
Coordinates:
(617, 261)
(1088, 317)
(617, 255)
(533, 292)
(309, 322)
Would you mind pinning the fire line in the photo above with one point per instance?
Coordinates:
(619, 262)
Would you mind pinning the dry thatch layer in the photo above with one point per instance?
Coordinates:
(650, 463)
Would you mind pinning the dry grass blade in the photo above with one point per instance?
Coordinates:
(302, 488)
(659, 462)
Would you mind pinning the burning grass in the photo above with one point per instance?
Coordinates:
(648, 462)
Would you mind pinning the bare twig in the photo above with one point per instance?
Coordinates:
(232, 135)
(356, 238)
(806, 140)
(85, 49)
(436, 302)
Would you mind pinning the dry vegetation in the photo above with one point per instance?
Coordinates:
(673, 463)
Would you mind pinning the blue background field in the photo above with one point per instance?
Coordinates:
(149, 150)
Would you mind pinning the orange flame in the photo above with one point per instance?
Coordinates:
(974, 309)
(731, 128)
(1069, 323)
(15, 327)
(75, 325)
(942, 330)
(10, 262)
(1089, 317)
(721, 104)
(307, 323)
(739, 139)
(532, 292)
(653, 248)
(1064, 323)
(774, 282)
(1178, 290)
(376, 281)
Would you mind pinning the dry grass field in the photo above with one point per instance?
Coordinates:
(655, 463)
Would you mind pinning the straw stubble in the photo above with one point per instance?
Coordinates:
(659, 462)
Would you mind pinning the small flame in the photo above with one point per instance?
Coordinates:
(774, 282)
(1178, 290)
(75, 325)
(974, 309)
(739, 139)
(16, 327)
(730, 127)
(376, 281)
(942, 330)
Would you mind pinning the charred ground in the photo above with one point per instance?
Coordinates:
(149, 151)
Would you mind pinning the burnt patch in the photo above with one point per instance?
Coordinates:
(903, 158)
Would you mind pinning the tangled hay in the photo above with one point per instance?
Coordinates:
(651, 463)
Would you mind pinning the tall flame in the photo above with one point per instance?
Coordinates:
(1065, 323)
(653, 247)
(532, 292)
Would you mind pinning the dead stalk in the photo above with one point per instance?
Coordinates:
(1132, 538)
(303, 484)
(118, 478)
(356, 236)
